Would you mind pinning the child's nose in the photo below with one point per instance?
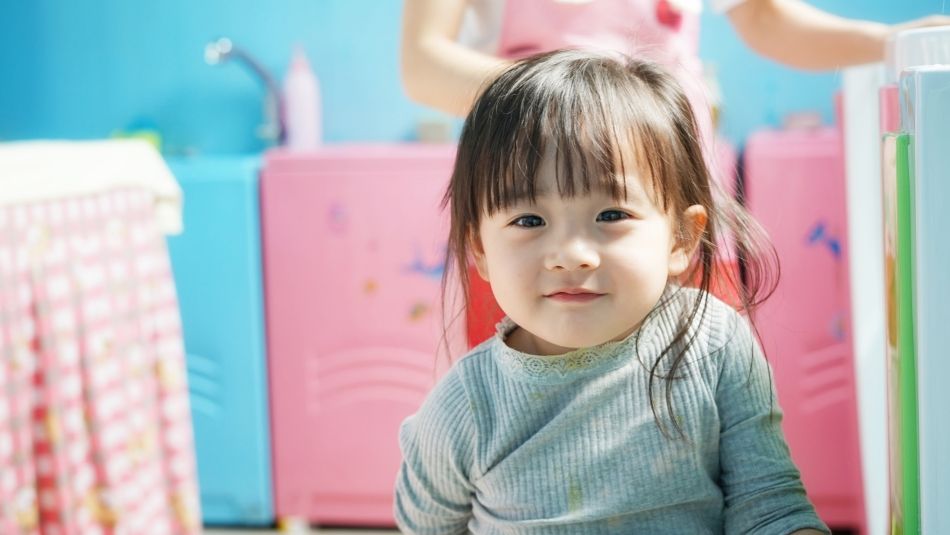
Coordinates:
(573, 254)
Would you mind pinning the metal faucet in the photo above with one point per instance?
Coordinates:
(274, 129)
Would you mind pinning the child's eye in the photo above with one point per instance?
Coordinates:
(612, 215)
(528, 221)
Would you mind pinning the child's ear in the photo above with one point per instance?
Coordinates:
(692, 224)
(478, 252)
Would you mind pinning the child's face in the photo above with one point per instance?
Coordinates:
(623, 252)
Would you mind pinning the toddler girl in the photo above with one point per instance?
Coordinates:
(618, 395)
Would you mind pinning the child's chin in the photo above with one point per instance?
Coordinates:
(578, 340)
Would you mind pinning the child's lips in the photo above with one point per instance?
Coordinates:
(580, 297)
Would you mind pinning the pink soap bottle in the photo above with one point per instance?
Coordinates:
(302, 115)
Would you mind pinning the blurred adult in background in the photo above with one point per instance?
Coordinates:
(450, 47)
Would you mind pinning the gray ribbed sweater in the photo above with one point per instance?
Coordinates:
(511, 443)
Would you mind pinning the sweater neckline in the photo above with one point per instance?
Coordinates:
(642, 343)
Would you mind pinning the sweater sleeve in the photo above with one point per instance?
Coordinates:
(433, 489)
(761, 486)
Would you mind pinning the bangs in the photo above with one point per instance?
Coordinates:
(600, 122)
(588, 156)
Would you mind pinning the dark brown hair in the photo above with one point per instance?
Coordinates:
(593, 110)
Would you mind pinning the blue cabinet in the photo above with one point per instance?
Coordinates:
(217, 268)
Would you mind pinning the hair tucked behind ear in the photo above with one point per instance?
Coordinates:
(595, 109)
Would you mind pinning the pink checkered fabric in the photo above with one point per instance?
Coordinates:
(95, 425)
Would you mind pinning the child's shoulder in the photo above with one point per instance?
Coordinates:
(715, 322)
(730, 338)
(472, 367)
(717, 337)
(465, 371)
(448, 407)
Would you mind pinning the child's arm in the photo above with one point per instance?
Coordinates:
(436, 70)
(799, 35)
(433, 489)
(761, 487)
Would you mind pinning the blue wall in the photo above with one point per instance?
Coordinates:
(86, 69)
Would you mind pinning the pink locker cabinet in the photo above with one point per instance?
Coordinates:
(354, 244)
(795, 187)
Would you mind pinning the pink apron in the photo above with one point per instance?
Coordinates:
(651, 29)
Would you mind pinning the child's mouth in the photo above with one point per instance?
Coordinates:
(574, 297)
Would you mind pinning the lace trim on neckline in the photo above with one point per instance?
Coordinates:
(580, 362)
